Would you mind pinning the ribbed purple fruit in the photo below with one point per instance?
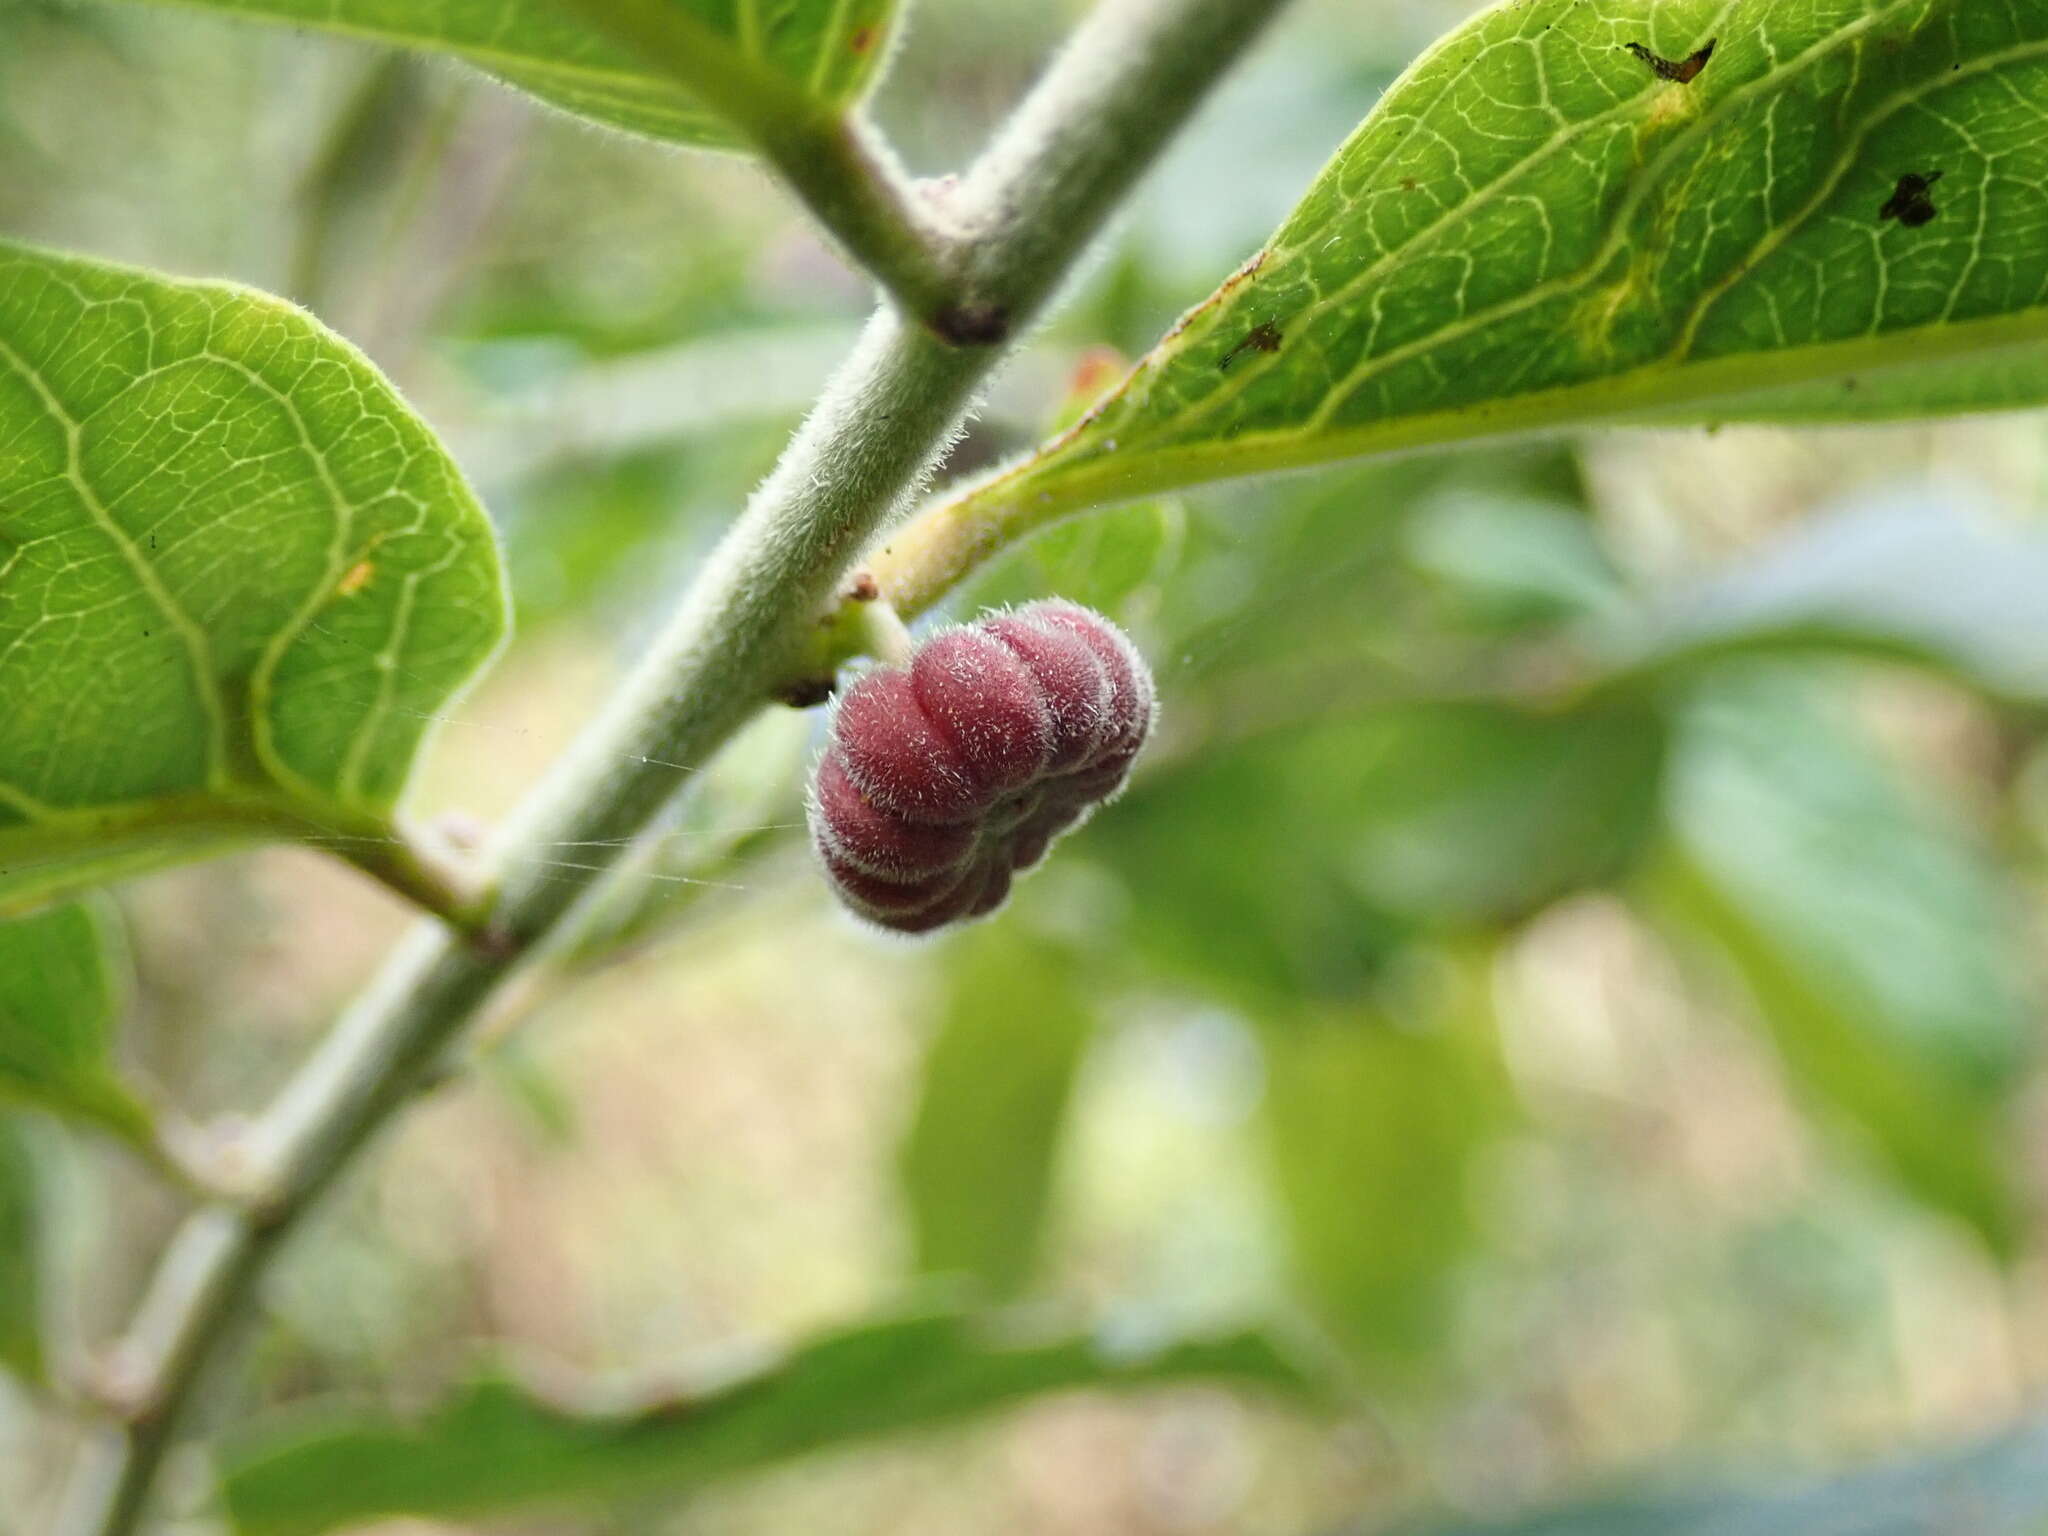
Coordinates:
(942, 779)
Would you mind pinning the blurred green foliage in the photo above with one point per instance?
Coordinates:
(980, 1157)
(1880, 946)
(21, 1288)
(499, 1446)
(1608, 868)
(60, 1007)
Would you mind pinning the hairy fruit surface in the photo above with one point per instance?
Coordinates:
(942, 779)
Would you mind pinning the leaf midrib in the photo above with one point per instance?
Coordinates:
(1640, 188)
(260, 687)
(1631, 397)
(1055, 485)
(1317, 425)
(199, 650)
(1882, 113)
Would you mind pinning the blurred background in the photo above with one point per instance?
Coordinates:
(1572, 950)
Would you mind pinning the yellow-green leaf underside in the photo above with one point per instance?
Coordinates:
(1842, 216)
(239, 578)
(827, 50)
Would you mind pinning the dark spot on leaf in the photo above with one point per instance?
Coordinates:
(864, 588)
(1263, 337)
(1678, 71)
(1410, 184)
(1909, 202)
(862, 40)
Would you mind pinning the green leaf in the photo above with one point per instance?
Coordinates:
(1920, 576)
(59, 1007)
(239, 578)
(825, 51)
(21, 1290)
(1301, 576)
(1998, 1487)
(1105, 563)
(1292, 863)
(978, 1163)
(498, 1448)
(1873, 935)
(1374, 1129)
(581, 529)
(1512, 561)
(1533, 230)
(362, 153)
(1995, 380)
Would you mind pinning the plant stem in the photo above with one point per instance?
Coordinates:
(827, 155)
(1126, 81)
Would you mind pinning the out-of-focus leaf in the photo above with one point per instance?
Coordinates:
(1311, 821)
(1237, 893)
(1537, 228)
(1101, 562)
(498, 1448)
(582, 528)
(59, 1006)
(747, 803)
(978, 1163)
(1292, 862)
(363, 151)
(1930, 577)
(1374, 1127)
(1515, 560)
(1473, 813)
(826, 50)
(1997, 1488)
(21, 1290)
(239, 578)
(1295, 574)
(1873, 935)
(1313, 576)
(554, 407)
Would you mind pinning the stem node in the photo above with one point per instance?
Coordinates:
(1131, 74)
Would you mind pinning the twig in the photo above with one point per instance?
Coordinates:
(1128, 78)
(829, 157)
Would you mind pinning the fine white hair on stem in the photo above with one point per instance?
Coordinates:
(1126, 81)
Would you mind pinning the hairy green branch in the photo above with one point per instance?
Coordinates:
(1126, 82)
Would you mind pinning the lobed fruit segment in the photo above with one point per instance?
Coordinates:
(941, 780)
